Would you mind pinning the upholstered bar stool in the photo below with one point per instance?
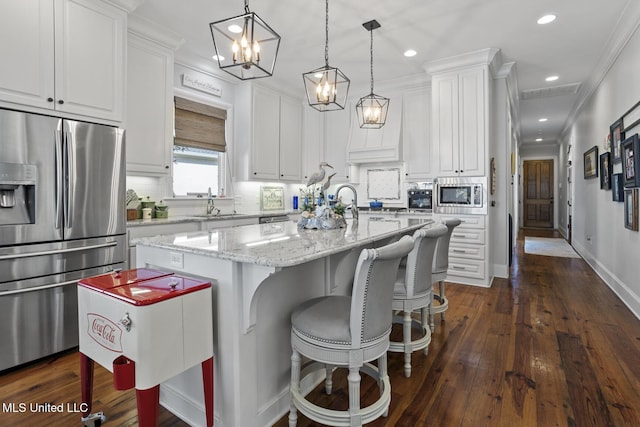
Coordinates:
(348, 331)
(440, 267)
(414, 290)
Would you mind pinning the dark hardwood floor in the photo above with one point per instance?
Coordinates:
(551, 346)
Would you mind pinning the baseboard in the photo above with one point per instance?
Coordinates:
(188, 410)
(501, 271)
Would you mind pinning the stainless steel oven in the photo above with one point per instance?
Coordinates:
(420, 199)
(460, 195)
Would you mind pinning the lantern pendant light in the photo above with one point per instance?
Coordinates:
(246, 46)
(372, 109)
(327, 86)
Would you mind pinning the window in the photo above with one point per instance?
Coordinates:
(195, 170)
(198, 147)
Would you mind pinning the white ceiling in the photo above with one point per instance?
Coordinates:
(573, 47)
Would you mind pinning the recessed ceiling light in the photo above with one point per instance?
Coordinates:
(218, 58)
(410, 53)
(546, 19)
(237, 29)
(552, 78)
(544, 119)
(538, 139)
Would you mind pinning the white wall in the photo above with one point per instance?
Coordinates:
(599, 234)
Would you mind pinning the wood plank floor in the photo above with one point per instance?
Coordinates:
(551, 346)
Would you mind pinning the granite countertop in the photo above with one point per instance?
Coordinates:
(197, 218)
(283, 244)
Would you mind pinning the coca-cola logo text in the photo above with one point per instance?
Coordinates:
(105, 332)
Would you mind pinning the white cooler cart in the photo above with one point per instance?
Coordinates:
(145, 326)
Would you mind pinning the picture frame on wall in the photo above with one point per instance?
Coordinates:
(605, 171)
(617, 136)
(632, 117)
(617, 187)
(591, 163)
(631, 209)
(630, 153)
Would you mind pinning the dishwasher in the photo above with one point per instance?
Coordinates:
(273, 218)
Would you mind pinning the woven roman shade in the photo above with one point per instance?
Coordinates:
(199, 125)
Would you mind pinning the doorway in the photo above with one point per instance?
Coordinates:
(538, 194)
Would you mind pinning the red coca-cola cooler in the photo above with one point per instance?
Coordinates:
(145, 326)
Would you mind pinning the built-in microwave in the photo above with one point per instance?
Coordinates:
(420, 199)
(460, 195)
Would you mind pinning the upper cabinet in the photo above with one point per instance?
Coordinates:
(149, 115)
(459, 127)
(416, 137)
(67, 56)
(377, 145)
(268, 134)
(312, 137)
(336, 135)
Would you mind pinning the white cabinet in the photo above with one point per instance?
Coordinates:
(268, 132)
(459, 127)
(377, 145)
(149, 117)
(66, 55)
(416, 136)
(312, 138)
(336, 135)
(468, 261)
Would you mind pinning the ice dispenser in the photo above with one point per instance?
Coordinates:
(17, 193)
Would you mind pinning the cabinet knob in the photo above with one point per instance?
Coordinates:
(49, 99)
(456, 171)
(281, 174)
(461, 171)
(255, 173)
(406, 174)
(166, 167)
(60, 101)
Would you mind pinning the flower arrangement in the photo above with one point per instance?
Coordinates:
(318, 211)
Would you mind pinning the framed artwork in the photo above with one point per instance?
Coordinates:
(630, 152)
(631, 209)
(605, 171)
(617, 187)
(271, 198)
(591, 163)
(617, 135)
(632, 117)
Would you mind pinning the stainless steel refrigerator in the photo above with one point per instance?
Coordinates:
(62, 218)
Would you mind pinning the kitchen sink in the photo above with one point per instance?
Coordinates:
(219, 216)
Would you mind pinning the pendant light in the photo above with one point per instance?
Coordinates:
(372, 109)
(246, 46)
(326, 87)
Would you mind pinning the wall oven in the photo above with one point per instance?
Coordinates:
(460, 195)
(420, 199)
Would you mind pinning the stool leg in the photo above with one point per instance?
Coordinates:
(148, 404)
(328, 381)
(86, 381)
(441, 287)
(207, 380)
(294, 386)
(355, 419)
(406, 339)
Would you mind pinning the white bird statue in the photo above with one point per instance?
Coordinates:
(318, 176)
(327, 184)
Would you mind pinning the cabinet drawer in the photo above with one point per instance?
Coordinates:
(467, 235)
(468, 221)
(466, 251)
(466, 268)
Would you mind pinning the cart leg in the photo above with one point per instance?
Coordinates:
(86, 381)
(148, 404)
(207, 380)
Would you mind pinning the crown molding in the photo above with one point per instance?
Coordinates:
(151, 31)
(126, 5)
(627, 25)
(479, 57)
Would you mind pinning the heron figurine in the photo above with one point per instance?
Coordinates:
(326, 185)
(318, 176)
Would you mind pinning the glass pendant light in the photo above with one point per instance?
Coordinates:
(327, 86)
(372, 109)
(246, 47)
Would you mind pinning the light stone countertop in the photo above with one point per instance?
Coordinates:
(283, 244)
(197, 218)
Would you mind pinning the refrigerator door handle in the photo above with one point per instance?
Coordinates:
(59, 180)
(37, 288)
(57, 251)
(69, 174)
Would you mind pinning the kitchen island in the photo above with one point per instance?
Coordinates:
(259, 273)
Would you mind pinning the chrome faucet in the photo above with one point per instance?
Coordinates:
(210, 206)
(354, 204)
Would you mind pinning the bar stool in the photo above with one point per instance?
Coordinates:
(414, 290)
(440, 267)
(348, 331)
